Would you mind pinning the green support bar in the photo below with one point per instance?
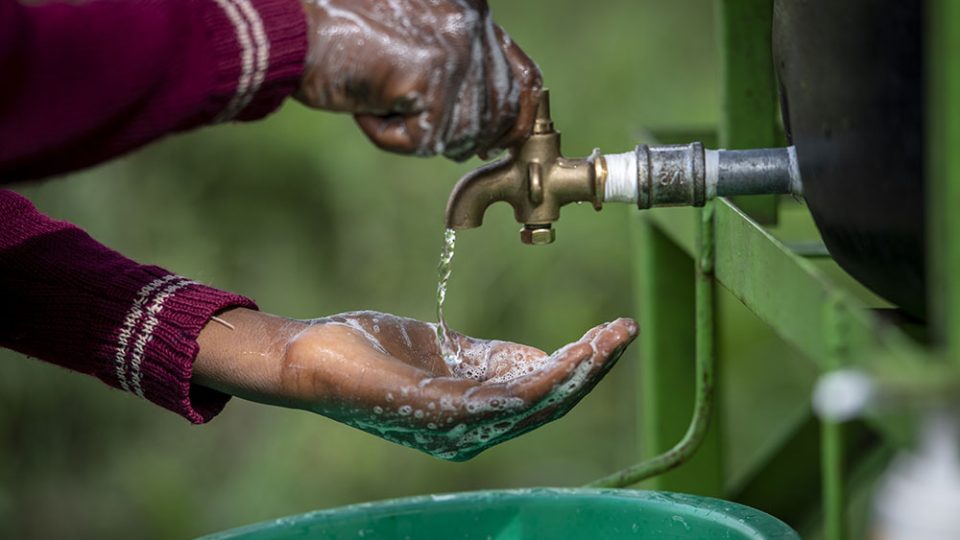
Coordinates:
(833, 449)
(834, 497)
(789, 292)
(750, 105)
(943, 185)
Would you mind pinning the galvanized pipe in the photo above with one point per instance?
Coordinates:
(757, 172)
(689, 175)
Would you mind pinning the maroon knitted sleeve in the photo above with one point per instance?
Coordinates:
(86, 81)
(69, 300)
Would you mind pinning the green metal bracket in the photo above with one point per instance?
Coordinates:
(789, 292)
(813, 314)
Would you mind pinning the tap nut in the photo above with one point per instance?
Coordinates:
(538, 235)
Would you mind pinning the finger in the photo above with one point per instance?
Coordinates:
(591, 334)
(559, 387)
(609, 337)
(528, 77)
(395, 116)
(534, 387)
(530, 388)
(606, 343)
(393, 133)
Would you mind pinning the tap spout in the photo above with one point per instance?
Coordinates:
(535, 179)
(479, 189)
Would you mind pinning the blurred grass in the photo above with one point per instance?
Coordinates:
(301, 213)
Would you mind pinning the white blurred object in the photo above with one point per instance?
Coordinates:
(843, 395)
(919, 497)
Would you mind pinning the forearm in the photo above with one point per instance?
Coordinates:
(86, 82)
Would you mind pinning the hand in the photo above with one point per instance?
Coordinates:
(385, 375)
(421, 77)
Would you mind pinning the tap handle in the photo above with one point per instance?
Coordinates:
(543, 123)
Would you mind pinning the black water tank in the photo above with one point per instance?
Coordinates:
(852, 86)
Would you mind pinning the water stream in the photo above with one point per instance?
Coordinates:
(448, 348)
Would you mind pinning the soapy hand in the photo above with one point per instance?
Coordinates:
(385, 375)
(422, 77)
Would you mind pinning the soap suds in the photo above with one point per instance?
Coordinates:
(457, 422)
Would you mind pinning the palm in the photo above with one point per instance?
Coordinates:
(390, 379)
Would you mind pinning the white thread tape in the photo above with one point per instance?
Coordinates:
(621, 178)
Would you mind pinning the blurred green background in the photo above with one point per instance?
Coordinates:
(301, 213)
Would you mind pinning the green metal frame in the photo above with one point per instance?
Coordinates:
(683, 253)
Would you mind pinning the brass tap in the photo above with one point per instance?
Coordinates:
(535, 179)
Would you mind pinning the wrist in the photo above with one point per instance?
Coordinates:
(314, 20)
(241, 354)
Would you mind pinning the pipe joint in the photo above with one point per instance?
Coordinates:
(689, 175)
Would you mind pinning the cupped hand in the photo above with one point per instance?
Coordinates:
(421, 77)
(386, 375)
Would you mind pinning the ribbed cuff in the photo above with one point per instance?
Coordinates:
(260, 49)
(151, 351)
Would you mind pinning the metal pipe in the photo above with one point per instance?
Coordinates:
(688, 175)
(758, 172)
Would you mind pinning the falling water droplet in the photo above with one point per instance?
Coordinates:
(449, 349)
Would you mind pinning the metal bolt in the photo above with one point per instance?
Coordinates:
(538, 235)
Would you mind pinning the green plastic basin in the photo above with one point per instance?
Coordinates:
(529, 514)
